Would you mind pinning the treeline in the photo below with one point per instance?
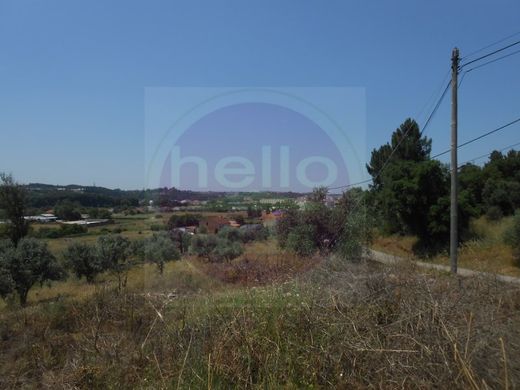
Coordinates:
(410, 193)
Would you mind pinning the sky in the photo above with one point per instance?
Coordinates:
(74, 74)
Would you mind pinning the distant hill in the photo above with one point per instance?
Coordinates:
(47, 195)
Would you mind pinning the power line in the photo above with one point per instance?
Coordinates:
(425, 126)
(490, 45)
(435, 93)
(487, 154)
(351, 185)
(435, 108)
(490, 54)
(492, 61)
(439, 101)
(479, 137)
(441, 154)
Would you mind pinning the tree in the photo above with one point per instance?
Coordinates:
(182, 220)
(408, 145)
(12, 200)
(181, 239)
(214, 248)
(83, 261)
(7, 250)
(342, 229)
(30, 263)
(67, 211)
(301, 240)
(114, 253)
(412, 192)
(318, 195)
(159, 249)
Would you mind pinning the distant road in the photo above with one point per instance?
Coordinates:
(386, 258)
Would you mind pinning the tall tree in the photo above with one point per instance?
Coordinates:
(409, 145)
(12, 200)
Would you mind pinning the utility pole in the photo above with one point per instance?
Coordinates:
(454, 236)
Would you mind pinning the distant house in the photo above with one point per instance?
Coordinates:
(234, 223)
(87, 222)
(42, 218)
(214, 223)
(186, 229)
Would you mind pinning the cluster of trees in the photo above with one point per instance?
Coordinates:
(62, 231)
(181, 220)
(67, 210)
(30, 262)
(45, 196)
(493, 189)
(227, 244)
(410, 192)
(342, 229)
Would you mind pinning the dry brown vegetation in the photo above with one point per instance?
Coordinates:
(486, 251)
(336, 325)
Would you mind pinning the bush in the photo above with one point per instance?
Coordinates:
(159, 249)
(114, 252)
(300, 240)
(512, 237)
(229, 233)
(157, 227)
(253, 233)
(82, 260)
(63, 231)
(214, 248)
(67, 211)
(494, 213)
(29, 263)
(181, 220)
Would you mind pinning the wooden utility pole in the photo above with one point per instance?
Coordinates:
(454, 236)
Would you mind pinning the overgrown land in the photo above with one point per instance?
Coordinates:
(194, 293)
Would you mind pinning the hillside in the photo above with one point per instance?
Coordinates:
(203, 325)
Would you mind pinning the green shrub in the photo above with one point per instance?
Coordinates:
(512, 236)
(300, 240)
(156, 227)
(181, 220)
(494, 213)
(159, 249)
(214, 248)
(29, 263)
(83, 261)
(63, 231)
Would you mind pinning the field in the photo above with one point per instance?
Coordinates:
(485, 252)
(267, 319)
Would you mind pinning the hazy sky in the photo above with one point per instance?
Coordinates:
(73, 74)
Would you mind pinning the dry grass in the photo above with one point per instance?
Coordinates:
(340, 325)
(486, 252)
(395, 245)
(262, 263)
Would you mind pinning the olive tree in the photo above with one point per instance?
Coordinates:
(215, 249)
(159, 249)
(29, 263)
(83, 261)
(114, 253)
